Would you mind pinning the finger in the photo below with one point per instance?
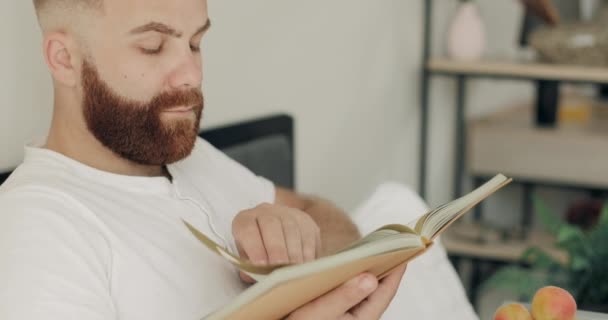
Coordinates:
(337, 302)
(375, 305)
(249, 240)
(310, 238)
(246, 278)
(293, 238)
(310, 235)
(318, 244)
(274, 241)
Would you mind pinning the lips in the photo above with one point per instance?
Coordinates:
(180, 109)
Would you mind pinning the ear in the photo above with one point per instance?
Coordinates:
(62, 56)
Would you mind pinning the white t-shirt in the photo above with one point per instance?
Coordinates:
(80, 243)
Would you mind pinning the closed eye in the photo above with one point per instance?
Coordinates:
(152, 51)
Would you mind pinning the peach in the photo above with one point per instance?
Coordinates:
(512, 311)
(553, 303)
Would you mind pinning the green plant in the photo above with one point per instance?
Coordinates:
(584, 274)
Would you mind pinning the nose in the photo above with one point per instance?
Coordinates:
(188, 72)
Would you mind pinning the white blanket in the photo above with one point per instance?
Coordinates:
(431, 288)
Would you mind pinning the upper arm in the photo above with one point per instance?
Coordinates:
(52, 265)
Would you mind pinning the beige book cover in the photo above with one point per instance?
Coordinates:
(279, 290)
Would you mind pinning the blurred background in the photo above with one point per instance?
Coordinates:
(438, 95)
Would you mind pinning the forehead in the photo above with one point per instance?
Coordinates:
(186, 14)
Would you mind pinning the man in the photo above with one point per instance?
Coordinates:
(90, 223)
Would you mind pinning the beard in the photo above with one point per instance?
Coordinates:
(135, 130)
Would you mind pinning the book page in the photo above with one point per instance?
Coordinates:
(255, 272)
(385, 232)
(427, 228)
(434, 222)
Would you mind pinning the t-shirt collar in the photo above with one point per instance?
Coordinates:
(34, 153)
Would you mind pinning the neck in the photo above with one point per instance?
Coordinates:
(69, 136)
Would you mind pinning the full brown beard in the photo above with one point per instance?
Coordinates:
(134, 130)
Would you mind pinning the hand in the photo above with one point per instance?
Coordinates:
(272, 234)
(361, 298)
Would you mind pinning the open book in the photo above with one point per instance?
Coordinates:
(282, 289)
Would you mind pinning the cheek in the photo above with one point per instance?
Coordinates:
(131, 76)
(137, 85)
(126, 71)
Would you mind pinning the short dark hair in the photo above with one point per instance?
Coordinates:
(48, 11)
(40, 4)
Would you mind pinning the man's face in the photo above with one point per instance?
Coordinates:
(141, 84)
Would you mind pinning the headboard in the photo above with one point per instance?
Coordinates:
(3, 176)
(264, 145)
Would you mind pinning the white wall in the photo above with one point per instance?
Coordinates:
(347, 70)
(25, 88)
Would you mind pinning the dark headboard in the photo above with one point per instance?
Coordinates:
(3, 176)
(264, 145)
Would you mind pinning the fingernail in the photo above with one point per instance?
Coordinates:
(367, 283)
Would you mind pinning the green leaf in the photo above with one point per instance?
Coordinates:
(584, 275)
(579, 263)
(549, 220)
(570, 234)
(597, 239)
(517, 280)
(604, 216)
(539, 259)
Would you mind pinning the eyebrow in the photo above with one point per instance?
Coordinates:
(165, 29)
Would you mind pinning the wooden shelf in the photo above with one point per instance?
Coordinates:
(458, 240)
(570, 154)
(524, 70)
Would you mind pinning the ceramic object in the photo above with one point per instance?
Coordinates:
(466, 37)
(587, 9)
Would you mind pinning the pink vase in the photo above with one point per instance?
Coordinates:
(466, 37)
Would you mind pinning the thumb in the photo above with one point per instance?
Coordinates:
(336, 303)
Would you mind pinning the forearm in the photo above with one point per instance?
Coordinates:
(337, 228)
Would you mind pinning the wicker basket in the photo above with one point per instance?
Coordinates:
(581, 44)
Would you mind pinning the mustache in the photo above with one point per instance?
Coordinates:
(168, 100)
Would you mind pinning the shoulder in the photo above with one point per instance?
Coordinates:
(41, 204)
(31, 176)
(33, 189)
(24, 196)
(30, 212)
